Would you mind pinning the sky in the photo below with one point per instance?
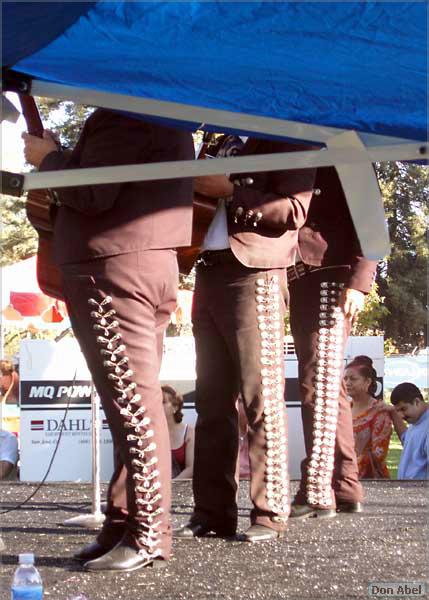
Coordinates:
(12, 157)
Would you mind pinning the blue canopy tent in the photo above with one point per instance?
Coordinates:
(304, 70)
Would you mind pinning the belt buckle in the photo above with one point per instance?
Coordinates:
(296, 274)
(202, 262)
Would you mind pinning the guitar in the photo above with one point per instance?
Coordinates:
(41, 213)
(204, 207)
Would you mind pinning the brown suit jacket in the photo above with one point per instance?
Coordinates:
(282, 199)
(111, 219)
(329, 238)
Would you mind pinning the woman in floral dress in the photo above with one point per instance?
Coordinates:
(372, 423)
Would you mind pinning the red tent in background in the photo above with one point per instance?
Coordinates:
(22, 299)
(29, 304)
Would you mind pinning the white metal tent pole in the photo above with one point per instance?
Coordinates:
(96, 517)
(235, 164)
(364, 200)
(1, 336)
(95, 411)
(347, 153)
(348, 158)
(198, 114)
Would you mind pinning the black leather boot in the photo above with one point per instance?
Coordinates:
(93, 551)
(124, 557)
(195, 529)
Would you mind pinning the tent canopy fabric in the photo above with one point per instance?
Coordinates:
(349, 75)
(36, 24)
(349, 65)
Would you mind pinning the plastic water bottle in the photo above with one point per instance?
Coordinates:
(27, 583)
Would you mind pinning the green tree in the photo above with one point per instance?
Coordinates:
(370, 319)
(64, 118)
(18, 237)
(402, 277)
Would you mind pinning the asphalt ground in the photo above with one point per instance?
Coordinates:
(332, 559)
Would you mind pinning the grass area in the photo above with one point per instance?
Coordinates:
(395, 449)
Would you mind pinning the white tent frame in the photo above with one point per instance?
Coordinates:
(350, 152)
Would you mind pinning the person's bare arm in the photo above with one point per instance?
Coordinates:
(188, 471)
(398, 422)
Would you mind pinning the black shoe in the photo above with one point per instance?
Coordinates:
(191, 531)
(195, 529)
(93, 551)
(123, 558)
(349, 507)
(261, 533)
(305, 511)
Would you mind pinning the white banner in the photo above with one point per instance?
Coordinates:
(54, 375)
(55, 398)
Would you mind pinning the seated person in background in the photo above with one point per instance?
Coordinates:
(372, 423)
(408, 403)
(9, 382)
(8, 453)
(181, 435)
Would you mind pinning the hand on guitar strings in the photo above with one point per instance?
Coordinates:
(35, 148)
(215, 186)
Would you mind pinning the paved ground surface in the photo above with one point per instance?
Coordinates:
(335, 559)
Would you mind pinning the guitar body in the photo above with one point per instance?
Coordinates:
(48, 274)
(203, 212)
(40, 213)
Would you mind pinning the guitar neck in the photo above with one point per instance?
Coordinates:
(31, 115)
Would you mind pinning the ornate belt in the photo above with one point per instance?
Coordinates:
(301, 270)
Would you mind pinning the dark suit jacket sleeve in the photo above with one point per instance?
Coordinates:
(108, 141)
(282, 198)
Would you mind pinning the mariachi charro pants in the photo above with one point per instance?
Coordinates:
(238, 325)
(119, 308)
(329, 472)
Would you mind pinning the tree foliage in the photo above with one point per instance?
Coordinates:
(14, 335)
(64, 118)
(18, 237)
(370, 319)
(402, 276)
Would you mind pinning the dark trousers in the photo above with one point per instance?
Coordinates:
(329, 471)
(119, 308)
(238, 327)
